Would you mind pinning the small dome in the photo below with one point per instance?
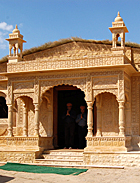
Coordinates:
(118, 18)
(16, 30)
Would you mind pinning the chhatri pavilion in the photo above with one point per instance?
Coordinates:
(36, 84)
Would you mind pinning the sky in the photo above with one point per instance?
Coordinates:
(41, 21)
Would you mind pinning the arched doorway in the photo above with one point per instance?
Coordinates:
(3, 108)
(61, 96)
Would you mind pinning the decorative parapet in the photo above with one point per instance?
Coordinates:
(108, 144)
(25, 143)
(71, 63)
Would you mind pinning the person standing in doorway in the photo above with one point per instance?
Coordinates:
(82, 127)
(69, 124)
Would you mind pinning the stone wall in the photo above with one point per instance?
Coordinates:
(113, 159)
(110, 115)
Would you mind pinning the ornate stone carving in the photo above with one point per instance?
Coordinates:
(10, 120)
(88, 96)
(23, 86)
(110, 115)
(36, 90)
(36, 119)
(78, 82)
(18, 95)
(31, 121)
(46, 115)
(3, 86)
(90, 119)
(109, 82)
(64, 64)
(121, 93)
(10, 95)
(99, 115)
(121, 118)
(135, 105)
(113, 91)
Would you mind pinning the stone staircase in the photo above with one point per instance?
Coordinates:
(61, 157)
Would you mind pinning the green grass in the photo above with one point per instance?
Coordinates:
(41, 169)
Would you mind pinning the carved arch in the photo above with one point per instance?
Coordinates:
(2, 94)
(79, 83)
(97, 92)
(30, 95)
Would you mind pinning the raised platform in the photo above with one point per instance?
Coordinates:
(73, 158)
(126, 159)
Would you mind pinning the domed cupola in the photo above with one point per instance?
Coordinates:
(15, 44)
(118, 29)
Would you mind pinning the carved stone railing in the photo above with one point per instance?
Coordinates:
(25, 143)
(68, 63)
(116, 143)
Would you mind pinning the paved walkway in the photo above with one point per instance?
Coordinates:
(97, 175)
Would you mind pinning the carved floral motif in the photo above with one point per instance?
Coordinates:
(64, 64)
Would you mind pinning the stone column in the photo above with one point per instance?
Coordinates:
(36, 120)
(99, 116)
(121, 118)
(25, 121)
(10, 120)
(90, 119)
(14, 50)
(17, 49)
(10, 48)
(128, 119)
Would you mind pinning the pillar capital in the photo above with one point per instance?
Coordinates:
(121, 104)
(36, 106)
(90, 104)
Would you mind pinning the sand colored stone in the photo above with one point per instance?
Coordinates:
(107, 75)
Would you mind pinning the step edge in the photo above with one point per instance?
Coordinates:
(59, 160)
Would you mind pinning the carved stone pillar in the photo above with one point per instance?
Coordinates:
(36, 120)
(10, 120)
(128, 130)
(10, 48)
(121, 118)
(99, 116)
(16, 49)
(25, 121)
(90, 119)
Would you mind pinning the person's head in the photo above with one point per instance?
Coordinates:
(82, 109)
(69, 106)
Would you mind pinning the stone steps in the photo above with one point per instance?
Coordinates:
(61, 157)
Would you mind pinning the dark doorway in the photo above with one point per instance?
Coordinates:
(62, 95)
(3, 108)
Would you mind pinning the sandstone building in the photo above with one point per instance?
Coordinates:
(34, 89)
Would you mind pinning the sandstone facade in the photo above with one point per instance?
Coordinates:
(107, 74)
